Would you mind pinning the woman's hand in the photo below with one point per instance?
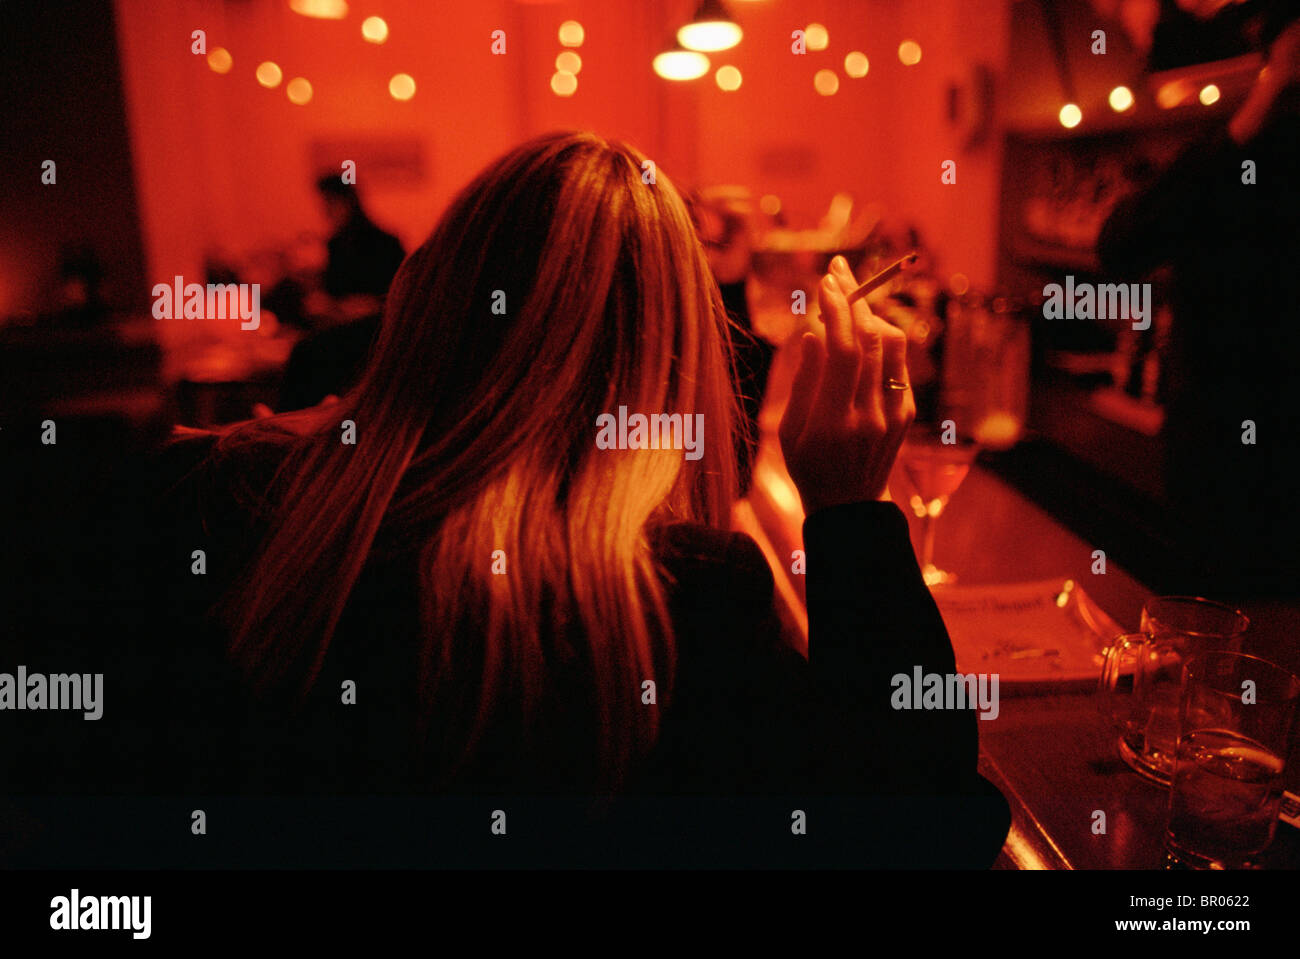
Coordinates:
(1284, 57)
(844, 423)
(1273, 90)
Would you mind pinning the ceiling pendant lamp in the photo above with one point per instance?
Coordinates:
(711, 29)
(674, 63)
(320, 9)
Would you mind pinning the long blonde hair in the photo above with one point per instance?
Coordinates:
(475, 432)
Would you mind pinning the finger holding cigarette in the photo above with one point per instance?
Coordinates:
(883, 277)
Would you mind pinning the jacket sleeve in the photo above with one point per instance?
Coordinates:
(871, 619)
(873, 625)
(753, 720)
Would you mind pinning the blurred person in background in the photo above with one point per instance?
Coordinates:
(724, 218)
(1224, 216)
(362, 261)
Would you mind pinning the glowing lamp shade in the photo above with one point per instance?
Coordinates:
(563, 83)
(816, 36)
(571, 34)
(710, 36)
(909, 53)
(220, 60)
(1121, 98)
(1209, 94)
(1175, 93)
(681, 65)
(856, 65)
(710, 30)
(269, 74)
(402, 86)
(1070, 116)
(320, 9)
(374, 29)
(728, 78)
(298, 91)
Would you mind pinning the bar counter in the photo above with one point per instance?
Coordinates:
(1051, 753)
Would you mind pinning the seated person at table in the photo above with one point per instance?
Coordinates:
(504, 588)
(363, 259)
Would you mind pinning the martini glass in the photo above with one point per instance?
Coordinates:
(935, 469)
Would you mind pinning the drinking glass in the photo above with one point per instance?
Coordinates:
(1142, 673)
(1235, 719)
(935, 463)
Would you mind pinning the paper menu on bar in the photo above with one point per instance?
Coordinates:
(1044, 632)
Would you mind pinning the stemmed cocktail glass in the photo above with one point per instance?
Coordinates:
(935, 462)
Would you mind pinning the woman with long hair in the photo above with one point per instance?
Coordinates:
(514, 606)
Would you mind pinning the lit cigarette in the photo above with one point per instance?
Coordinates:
(881, 278)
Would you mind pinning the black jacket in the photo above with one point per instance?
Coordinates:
(755, 739)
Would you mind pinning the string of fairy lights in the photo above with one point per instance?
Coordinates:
(711, 30)
(298, 90)
(685, 57)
